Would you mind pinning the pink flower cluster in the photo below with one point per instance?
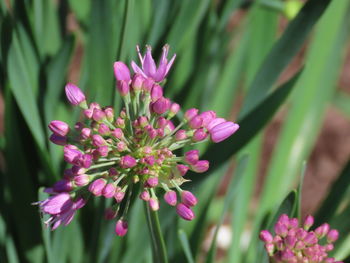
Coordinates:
(293, 243)
(110, 153)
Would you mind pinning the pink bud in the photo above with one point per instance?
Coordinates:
(98, 115)
(188, 198)
(310, 239)
(81, 180)
(143, 121)
(199, 135)
(103, 150)
(59, 140)
(109, 190)
(281, 229)
(121, 146)
(290, 241)
(293, 223)
(185, 212)
(182, 169)
(145, 196)
(270, 247)
(156, 93)
(222, 131)
(109, 111)
(207, 117)
(97, 186)
(79, 126)
(121, 71)
(152, 182)
(189, 114)
(161, 105)
(200, 166)
(299, 245)
(162, 122)
(180, 135)
(301, 234)
(74, 95)
(127, 161)
(266, 236)
(287, 255)
(153, 204)
(174, 109)
(308, 222)
(137, 82)
(332, 236)
(119, 195)
(85, 133)
(191, 157)
(63, 186)
(121, 228)
(97, 140)
(215, 122)
(117, 133)
(123, 87)
(170, 197)
(71, 155)
(195, 122)
(103, 129)
(110, 213)
(147, 85)
(59, 128)
(150, 160)
(322, 230)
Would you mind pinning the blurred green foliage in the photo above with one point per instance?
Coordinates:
(219, 62)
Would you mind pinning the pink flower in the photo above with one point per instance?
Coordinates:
(161, 105)
(123, 87)
(149, 68)
(74, 95)
(192, 156)
(59, 128)
(56, 204)
(222, 131)
(153, 204)
(182, 169)
(59, 140)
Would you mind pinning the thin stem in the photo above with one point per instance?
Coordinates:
(158, 244)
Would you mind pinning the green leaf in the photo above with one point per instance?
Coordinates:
(185, 245)
(337, 193)
(282, 53)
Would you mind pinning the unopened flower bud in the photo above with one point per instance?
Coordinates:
(185, 212)
(192, 156)
(188, 198)
(266, 236)
(191, 113)
(75, 96)
(63, 186)
(180, 135)
(109, 111)
(201, 166)
(174, 109)
(195, 122)
(121, 228)
(109, 190)
(145, 196)
(199, 135)
(182, 169)
(103, 129)
(110, 213)
(123, 88)
(214, 123)
(137, 82)
(81, 180)
(59, 128)
(156, 93)
(148, 84)
(322, 230)
(153, 204)
(170, 197)
(121, 71)
(127, 161)
(119, 195)
(97, 186)
(281, 229)
(97, 140)
(332, 236)
(222, 131)
(98, 115)
(59, 140)
(161, 105)
(207, 117)
(308, 222)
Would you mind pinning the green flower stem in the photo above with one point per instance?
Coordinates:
(158, 244)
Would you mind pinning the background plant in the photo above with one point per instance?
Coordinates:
(219, 66)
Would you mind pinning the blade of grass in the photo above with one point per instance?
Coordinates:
(185, 245)
(282, 53)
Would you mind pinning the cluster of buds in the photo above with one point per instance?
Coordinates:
(293, 243)
(113, 155)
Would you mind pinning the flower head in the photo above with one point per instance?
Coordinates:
(148, 66)
(110, 152)
(294, 243)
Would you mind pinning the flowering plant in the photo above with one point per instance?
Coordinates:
(114, 155)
